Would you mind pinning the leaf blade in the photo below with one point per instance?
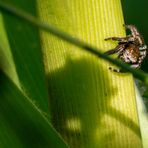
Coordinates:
(23, 123)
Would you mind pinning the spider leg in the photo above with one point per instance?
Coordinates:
(120, 39)
(114, 70)
(117, 70)
(118, 49)
(133, 29)
(135, 66)
(112, 51)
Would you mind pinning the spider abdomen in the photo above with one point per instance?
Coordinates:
(130, 54)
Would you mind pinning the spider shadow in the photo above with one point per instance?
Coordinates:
(76, 108)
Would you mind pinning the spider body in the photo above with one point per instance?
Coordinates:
(130, 49)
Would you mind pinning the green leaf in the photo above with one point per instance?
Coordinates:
(24, 43)
(22, 124)
(91, 106)
(69, 38)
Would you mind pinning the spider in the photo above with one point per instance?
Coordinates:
(130, 49)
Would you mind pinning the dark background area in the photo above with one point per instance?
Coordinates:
(136, 13)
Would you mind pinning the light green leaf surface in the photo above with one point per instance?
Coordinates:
(90, 106)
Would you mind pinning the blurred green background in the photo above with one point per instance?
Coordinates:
(136, 12)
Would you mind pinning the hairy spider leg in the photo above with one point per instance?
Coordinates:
(135, 66)
(133, 30)
(114, 70)
(120, 39)
(118, 49)
(121, 70)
